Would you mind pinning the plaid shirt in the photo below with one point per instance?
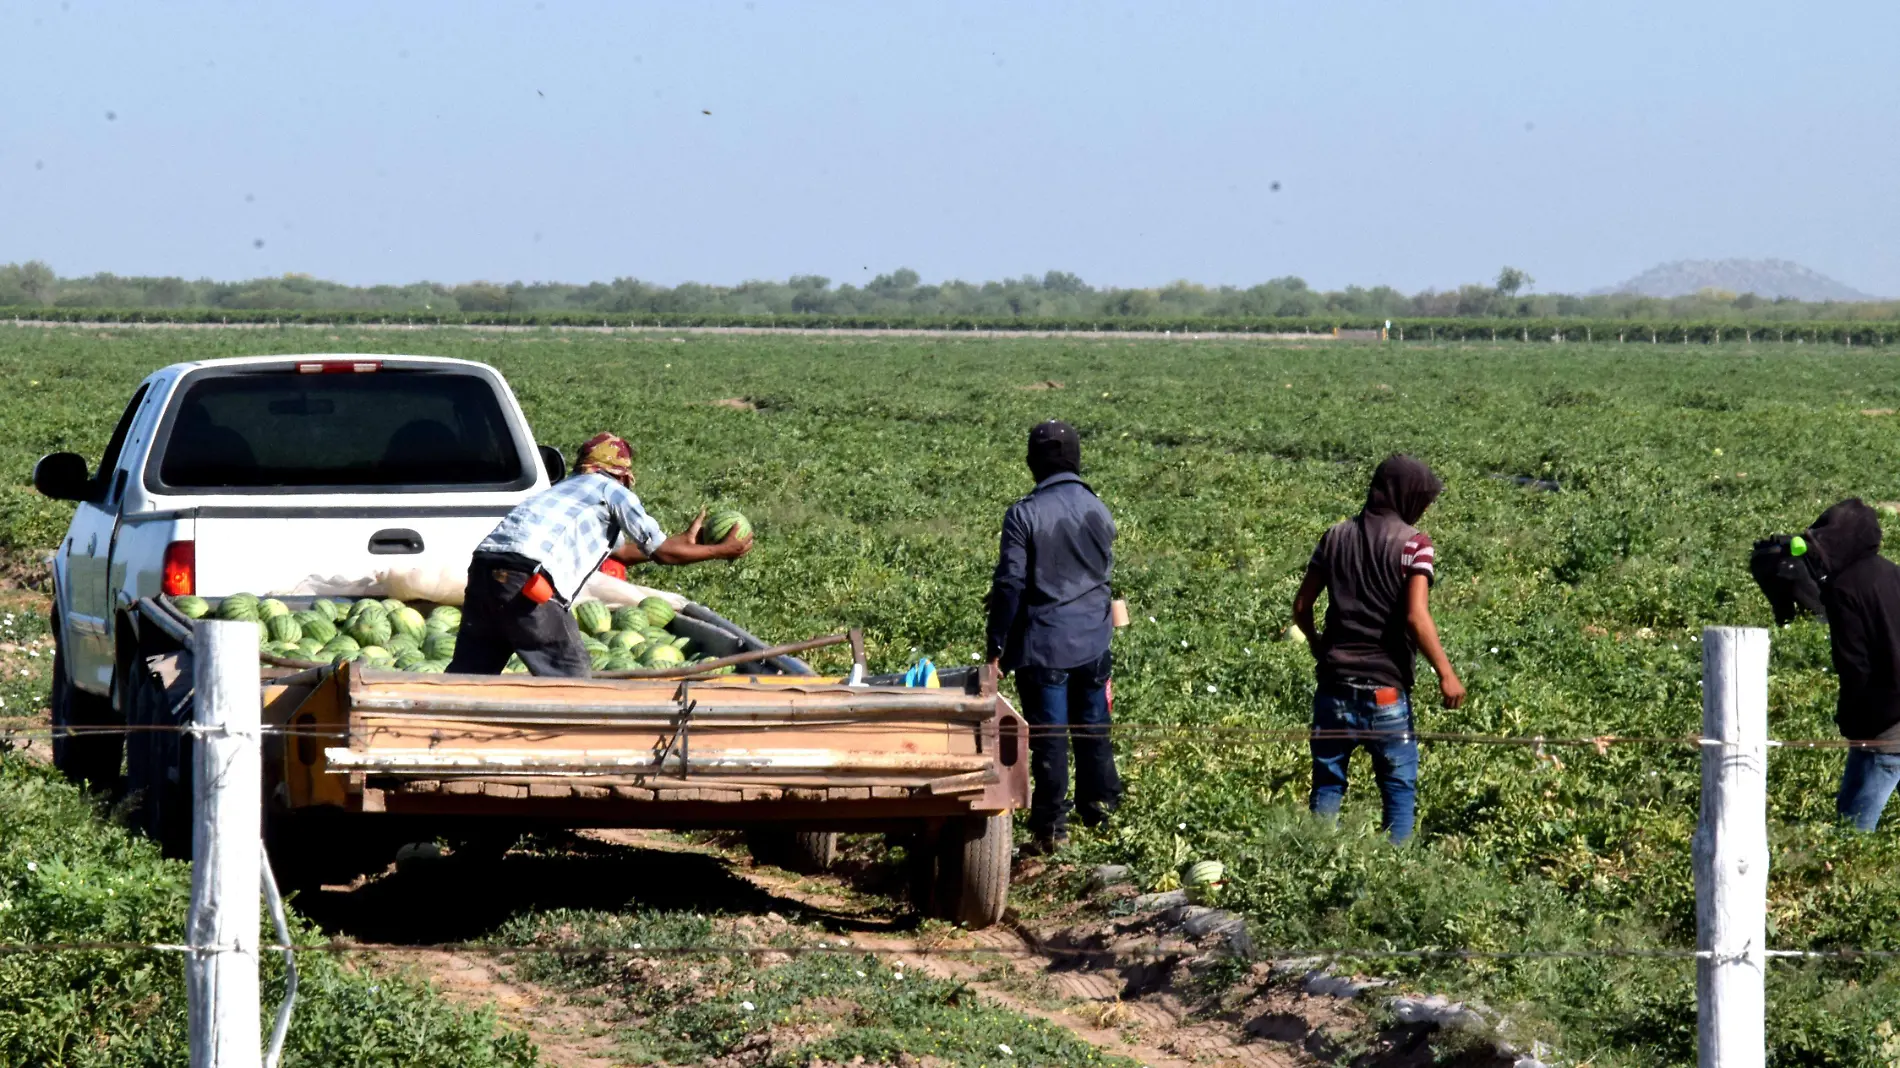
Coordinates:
(572, 526)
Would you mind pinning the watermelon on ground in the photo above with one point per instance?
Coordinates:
(191, 607)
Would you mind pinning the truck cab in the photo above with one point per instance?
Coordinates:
(258, 473)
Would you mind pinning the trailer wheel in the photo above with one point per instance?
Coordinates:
(804, 852)
(86, 759)
(973, 870)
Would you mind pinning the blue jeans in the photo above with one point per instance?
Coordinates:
(1064, 705)
(1869, 780)
(1386, 732)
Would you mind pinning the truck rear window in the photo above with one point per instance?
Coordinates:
(387, 429)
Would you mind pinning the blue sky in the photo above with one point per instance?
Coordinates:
(1415, 144)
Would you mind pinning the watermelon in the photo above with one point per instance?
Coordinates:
(723, 523)
(622, 662)
(241, 607)
(402, 643)
(1205, 872)
(446, 614)
(407, 622)
(366, 607)
(271, 608)
(436, 667)
(623, 641)
(629, 617)
(663, 655)
(593, 617)
(282, 628)
(328, 609)
(598, 658)
(658, 612)
(392, 605)
(411, 661)
(316, 625)
(346, 657)
(439, 645)
(514, 666)
(191, 607)
(371, 628)
(377, 653)
(342, 643)
(309, 648)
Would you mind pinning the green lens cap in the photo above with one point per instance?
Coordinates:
(1797, 545)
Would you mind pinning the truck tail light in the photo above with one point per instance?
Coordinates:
(181, 569)
(338, 367)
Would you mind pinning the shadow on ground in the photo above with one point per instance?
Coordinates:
(460, 898)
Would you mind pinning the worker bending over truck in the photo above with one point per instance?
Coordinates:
(527, 572)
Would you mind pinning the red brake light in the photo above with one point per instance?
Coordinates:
(181, 569)
(338, 367)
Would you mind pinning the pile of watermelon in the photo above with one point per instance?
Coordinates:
(384, 634)
(632, 637)
(389, 634)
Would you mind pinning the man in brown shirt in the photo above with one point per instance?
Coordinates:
(1377, 570)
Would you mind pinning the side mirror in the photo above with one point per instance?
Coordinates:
(62, 476)
(556, 464)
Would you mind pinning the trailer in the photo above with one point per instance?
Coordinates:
(360, 761)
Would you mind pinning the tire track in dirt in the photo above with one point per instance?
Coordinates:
(1152, 1031)
(566, 1035)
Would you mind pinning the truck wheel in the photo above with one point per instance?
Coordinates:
(973, 870)
(804, 852)
(87, 759)
(158, 764)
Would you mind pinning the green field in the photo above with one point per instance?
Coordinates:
(877, 471)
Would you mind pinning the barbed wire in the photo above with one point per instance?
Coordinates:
(710, 728)
(845, 947)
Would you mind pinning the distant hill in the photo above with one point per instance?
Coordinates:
(1764, 278)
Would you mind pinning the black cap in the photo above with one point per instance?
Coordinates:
(1054, 447)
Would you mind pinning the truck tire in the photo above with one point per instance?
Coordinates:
(158, 763)
(973, 870)
(88, 759)
(804, 852)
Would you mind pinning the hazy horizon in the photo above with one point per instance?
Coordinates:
(1131, 146)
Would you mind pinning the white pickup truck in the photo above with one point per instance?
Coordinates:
(252, 474)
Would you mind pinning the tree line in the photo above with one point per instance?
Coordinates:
(902, 294)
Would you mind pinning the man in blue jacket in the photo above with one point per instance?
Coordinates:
(1049, 622)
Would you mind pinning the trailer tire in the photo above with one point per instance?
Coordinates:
(973, 870)
(803, 852)
(87, 759)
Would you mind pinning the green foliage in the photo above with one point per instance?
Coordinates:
(1602, 500)
(832, 1008)
(66, 875)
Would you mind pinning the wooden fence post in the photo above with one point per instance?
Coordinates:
(221, 985)
(1731, 850)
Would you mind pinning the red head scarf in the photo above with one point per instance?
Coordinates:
(607, 455)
